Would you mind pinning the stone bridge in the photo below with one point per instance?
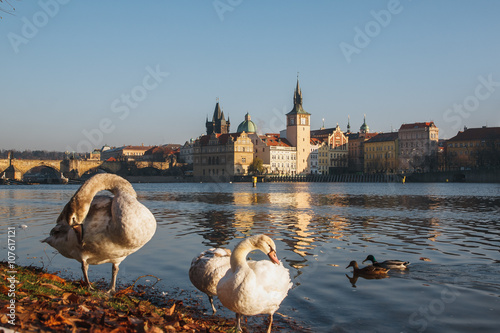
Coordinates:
(72, 169)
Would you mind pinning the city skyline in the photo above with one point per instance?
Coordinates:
(78, 76)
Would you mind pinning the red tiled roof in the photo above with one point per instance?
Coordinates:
(483, 133)
(142, 148)
(417, 125)
(272, 139)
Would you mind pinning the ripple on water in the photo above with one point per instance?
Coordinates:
(318, 229)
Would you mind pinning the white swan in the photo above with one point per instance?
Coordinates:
(258, 287)
(102, 229)
(207, 269)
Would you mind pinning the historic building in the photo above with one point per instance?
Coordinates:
(125, 153)
(333, 154)
(356, 147)
(418, 146)
(323, 158)
(298, 131)
(218, 124)
(278, 155)
(474, 148)
(219, 157)
(186, 152)
(381, 153)
(313, 156)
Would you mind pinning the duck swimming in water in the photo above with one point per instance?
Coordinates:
(368, 270)
(97, 229)
(391, 264)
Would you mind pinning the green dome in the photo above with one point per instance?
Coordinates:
(247, 126)
(364, 128)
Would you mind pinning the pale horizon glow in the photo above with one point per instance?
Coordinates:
(79, 75)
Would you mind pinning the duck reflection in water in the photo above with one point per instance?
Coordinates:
(355, 277)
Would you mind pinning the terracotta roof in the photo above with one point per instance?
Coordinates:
(483, 133)
(274, 140)
(315, 141)
(141, 148)
(167, 149)
(417, 125)
(382, 137)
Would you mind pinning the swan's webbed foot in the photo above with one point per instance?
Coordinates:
(111, 291)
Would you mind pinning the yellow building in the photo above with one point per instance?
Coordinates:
(323, 158)
(381, 153)
(219, 157)
(474, 148)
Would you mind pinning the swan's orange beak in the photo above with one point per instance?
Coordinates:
(273, 257)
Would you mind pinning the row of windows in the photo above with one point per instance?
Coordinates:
(467, 144)
(378, 148)
(418, 135)
(283, 165)
(283, 157)
(372, 156)
(213, 172)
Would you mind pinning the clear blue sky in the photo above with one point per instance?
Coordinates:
(67, 70)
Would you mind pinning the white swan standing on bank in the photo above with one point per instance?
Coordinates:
(102, 229)
(255, 287)
(207, 269)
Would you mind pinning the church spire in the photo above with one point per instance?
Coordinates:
(297, 97)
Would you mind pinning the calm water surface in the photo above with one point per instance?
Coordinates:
(318, 229)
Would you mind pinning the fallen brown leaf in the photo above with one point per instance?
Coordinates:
(51, 286)
(53, 278)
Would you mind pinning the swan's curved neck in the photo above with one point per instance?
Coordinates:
(239, 255)
(77, 208)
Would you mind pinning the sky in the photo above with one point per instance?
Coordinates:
(77, 75)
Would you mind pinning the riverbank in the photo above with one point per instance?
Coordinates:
(33, 300)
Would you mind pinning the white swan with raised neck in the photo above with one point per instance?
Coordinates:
(254, 287)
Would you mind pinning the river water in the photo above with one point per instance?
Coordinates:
(318, 229)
